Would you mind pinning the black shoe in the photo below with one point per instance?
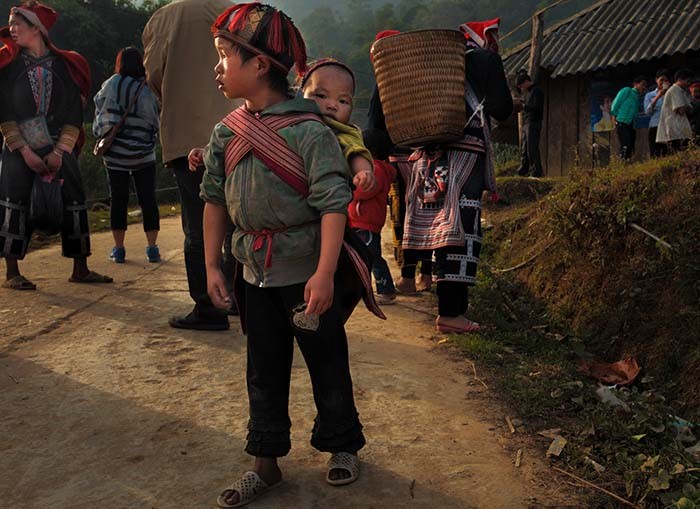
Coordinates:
(523, 172)
(192, 322)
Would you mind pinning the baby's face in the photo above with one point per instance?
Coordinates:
(331, 87)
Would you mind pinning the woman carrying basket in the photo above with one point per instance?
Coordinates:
(125, 103)
(443, 209)
(42, 89)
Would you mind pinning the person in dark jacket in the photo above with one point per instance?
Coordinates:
(533, 111)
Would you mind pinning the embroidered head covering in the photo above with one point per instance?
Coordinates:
(41, 16)
(265, 31)
(482, 34)
(325, 62)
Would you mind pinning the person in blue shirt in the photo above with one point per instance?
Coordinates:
(652, 106)
(625, 109)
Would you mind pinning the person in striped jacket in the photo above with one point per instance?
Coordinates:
(132, 154)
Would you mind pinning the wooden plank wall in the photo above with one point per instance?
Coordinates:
(584, 135)
(562, 125)
(569, 123)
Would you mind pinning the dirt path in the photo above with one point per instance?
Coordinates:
(103, 405)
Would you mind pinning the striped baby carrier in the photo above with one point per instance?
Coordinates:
(259, 135)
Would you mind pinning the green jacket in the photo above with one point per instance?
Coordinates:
(258, 200)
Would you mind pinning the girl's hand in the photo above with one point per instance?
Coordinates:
(216, 287)
(365, 180)
(53, 162)
(195, 158)
(318, 293)
(35, 163)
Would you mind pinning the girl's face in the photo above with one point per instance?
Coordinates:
(236, 79)
(331, 87)
(22, 32)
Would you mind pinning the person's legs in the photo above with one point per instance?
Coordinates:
(457, 265)
(118, 205)
(407, 281)
(270, 352)
(145, 183)
(533, 149)
(75, 232)
(524, 157)
(653, 146)
(192, 215)
(380, 269)
(337, 427)
(626, 136)
(16, 182)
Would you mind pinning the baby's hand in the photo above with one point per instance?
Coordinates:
(365, 180)
(195, 158)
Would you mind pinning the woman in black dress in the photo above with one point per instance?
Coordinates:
(41, 121)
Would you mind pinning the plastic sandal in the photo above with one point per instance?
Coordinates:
(343, 461)
(249, 487)
(19, 283)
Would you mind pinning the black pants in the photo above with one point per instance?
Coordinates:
(627, 137)
(145, 184)
(271, 336)
(678, 145)
(656, 149)
(411, 257)
(192, 225)
(531, 162)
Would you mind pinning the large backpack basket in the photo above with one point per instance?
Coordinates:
(421, 78)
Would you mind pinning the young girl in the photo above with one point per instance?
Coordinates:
(278, 171)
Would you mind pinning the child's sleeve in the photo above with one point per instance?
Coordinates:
(352, 145)
(212, 189)
(327, 171)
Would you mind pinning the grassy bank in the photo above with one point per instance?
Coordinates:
(572, 272)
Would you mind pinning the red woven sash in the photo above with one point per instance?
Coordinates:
(260, 135)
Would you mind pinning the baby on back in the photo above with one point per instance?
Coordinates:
(331, 85)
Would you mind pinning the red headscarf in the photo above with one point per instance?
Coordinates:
(484, 34)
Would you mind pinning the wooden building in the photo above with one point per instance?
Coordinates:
(588, 57)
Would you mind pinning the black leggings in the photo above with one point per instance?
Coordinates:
(411, 257)
(145, 183)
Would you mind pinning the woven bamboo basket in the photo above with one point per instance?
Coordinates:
(421, 79)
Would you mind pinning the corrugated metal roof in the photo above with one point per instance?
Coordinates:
(612, 33)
